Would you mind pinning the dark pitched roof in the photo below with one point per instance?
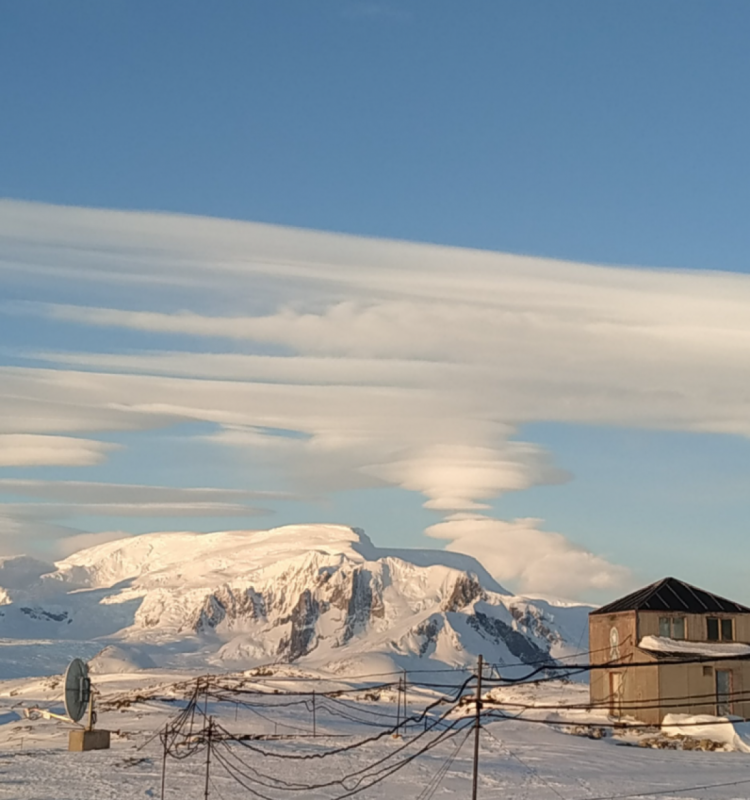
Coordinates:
(669, 594)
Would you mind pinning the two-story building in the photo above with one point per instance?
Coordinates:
(670, 648)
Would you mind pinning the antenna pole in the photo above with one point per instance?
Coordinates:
(476, 730)
(208, 754)
(90, 723)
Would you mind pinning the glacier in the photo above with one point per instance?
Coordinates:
(317, 596)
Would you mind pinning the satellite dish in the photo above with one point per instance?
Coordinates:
(77, 689)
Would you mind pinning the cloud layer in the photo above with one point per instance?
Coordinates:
(345, 362)
(26, 450)
(520, 554)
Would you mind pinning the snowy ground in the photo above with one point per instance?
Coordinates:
(519, 759)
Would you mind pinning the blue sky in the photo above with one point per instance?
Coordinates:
(611, 134)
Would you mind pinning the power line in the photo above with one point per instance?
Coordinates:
(581, 724)
(355, 781)
(609, 665)
(531, 770)
(434, 723)
(677, 701)
(432, 786)
(181, 739)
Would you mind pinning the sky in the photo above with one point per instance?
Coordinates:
(465, 277)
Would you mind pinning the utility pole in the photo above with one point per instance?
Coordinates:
(208, 754)
(398, 707)
(476, 729)
(405, 712)
(195, 703)
(164, 761)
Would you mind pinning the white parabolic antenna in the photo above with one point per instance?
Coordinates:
(77, 689)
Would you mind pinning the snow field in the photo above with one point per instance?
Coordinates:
(519, 759)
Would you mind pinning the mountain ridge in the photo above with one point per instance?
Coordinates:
(321, 595)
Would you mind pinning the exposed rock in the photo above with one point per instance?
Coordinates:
(302, 637)
(228, 604)
(533, 621)
(429, 630)
(466, 589)
(359, 605)
(40, 613)
(518, 644)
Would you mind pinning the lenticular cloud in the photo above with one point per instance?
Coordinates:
(342, 362)
(458, 477)
(528, 558)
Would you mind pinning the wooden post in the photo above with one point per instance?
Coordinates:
(405, 711)
(195, 703)
(398, 706)
(164, 760)
(208, 754)
(476, 730)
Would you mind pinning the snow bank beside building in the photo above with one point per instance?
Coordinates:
(733, 734)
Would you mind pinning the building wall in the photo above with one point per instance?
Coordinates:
(649, 692)
(698, 682)
(640, 686)
(645, 694)
(600, 636)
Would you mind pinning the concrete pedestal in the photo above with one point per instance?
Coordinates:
(88, 740)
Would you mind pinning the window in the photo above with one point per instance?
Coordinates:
(672, 627)
(719, 630)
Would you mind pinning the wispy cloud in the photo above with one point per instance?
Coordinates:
(32, 450)
(139, 509)
(80, 541)
(397, 364)
(33, 508)
(30, 534)
(88, 492)
(66, 499)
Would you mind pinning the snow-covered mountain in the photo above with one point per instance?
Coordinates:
(317, 595)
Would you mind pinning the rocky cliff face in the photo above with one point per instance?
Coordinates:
(322, 595)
